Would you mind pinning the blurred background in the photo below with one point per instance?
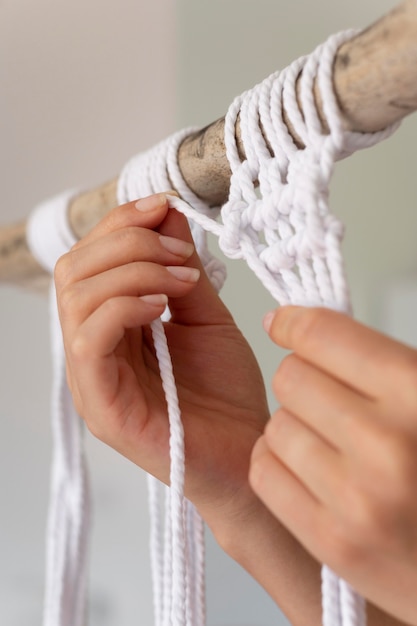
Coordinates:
(85, 85)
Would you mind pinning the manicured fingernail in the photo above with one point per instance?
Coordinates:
(151, 203)
(187, 274)
(267, 320)
(177, 246)
(156, 299)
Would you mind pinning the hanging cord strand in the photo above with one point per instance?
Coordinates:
(50, 236)
(176, 443)
(179, 584)
(285, 231)
(288, 237)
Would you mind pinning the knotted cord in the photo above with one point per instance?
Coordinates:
(278, 220)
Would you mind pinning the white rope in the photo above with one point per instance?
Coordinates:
(352, 605)
(177, 513)
(288, 237)
(177, 536)
(49, 236)
(48, 232)
(283, 229)
(330, 593)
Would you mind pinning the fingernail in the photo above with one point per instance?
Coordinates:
(267, 320)
(172, 192)
(187, 274)
(177, 246)
(151, 203)
(156, 299)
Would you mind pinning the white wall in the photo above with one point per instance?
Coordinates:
(84, 85)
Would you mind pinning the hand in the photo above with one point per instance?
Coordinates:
(109, 289)
(337, 464)
(103, 288)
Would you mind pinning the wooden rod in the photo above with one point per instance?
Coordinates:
(375, 81)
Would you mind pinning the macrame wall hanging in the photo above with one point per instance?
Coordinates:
(277, 218)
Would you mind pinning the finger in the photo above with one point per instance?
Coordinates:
(286, 497)
(202, 304)
(91, 353)
(146, 212)
(327, 406)
(78, 301)
(365, 359)
(117, 248)
(317, 465)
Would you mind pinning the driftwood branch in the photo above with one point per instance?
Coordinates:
(375, 80)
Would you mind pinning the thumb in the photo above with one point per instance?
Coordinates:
(202, 305)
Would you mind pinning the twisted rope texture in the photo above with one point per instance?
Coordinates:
(278, 220)
(177, 530)
(49, 236)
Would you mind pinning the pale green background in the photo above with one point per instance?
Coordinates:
(85, 84)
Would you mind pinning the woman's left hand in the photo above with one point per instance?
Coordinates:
(110, 287)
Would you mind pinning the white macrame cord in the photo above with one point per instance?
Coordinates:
(49, 236)
(283, 228)
(278, 220)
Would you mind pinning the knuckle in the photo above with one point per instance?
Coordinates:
(399, 468)
(257, 476)
(389, 468)
(128, 238)
(258, 473)
(80, 348)
(341, 551)
(287, 377)
(63, 269)
(362, 519)
(140, 272)
(274, 430)
(370, 519)
(68, 299)
(119, 216)
(310, 327)
(378, 512)
(113, 307)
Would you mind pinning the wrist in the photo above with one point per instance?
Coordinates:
(256, 540)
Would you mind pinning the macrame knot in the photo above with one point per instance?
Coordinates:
(266, 213)
(286, 253)
(230, 238)
(278, 220)
(278, 256)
